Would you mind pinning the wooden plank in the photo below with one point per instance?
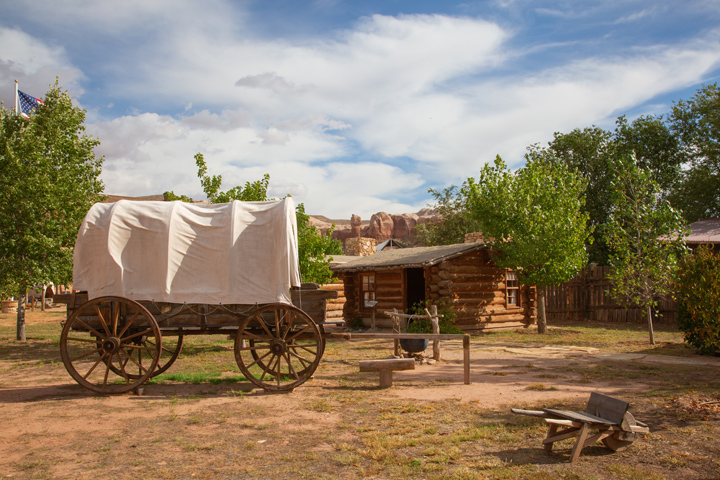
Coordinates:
(578, 416)
(609, 408)
(387, 364)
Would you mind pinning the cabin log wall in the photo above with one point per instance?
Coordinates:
(471, 283)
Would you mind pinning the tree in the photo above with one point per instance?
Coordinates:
(314, 247)
(592, 152)
(533, 218)
(646, 237)
(698, 291)
(48, 182)
(697, 124)
(454, 222)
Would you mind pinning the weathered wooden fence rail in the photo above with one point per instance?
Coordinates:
(586, 297)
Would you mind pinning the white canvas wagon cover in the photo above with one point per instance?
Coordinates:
(239, 252)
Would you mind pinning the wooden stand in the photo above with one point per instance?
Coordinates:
(386, 367)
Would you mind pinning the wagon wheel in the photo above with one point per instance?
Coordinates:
(619, 441)
(169, 352)
(256, 352)
(110, 334)
(278, 347)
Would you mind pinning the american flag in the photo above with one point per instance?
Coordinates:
(28, 104)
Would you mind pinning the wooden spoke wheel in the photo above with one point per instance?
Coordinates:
(170, 349)
(110, 334)
(278, 347)
(619, 441)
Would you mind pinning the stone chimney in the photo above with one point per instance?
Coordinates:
(475, 237)
(360, 247)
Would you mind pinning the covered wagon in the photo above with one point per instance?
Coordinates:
(147, 274)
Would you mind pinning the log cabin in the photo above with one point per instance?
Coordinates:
(484, 296)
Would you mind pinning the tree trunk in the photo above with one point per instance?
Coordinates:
(650, 326)
(42, 299)
(21, 318)
(542, 321)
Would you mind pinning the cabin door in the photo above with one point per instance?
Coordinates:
(414, 287)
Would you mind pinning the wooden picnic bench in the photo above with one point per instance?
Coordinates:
(386, 367)
(616, 427)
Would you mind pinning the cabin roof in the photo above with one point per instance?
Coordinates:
(405, 258)
(704, 231)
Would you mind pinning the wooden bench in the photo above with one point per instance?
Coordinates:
(386, 367)
(616, 427)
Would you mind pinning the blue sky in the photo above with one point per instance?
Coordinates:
(350, 106)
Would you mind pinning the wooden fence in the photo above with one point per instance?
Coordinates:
(586, 297)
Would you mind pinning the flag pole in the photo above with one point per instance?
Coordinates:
(16, 97)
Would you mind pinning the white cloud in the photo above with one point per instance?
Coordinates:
(446, 93)
(35, 63)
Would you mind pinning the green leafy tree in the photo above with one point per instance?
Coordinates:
(454, 222)
(48, 182)
(593, 152)
(697, 124)
(314, 248)
(533, 218)
(171, 197)
(698, 291)
(646, 238)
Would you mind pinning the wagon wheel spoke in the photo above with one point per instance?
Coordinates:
(117, 333)
(95, 365)
(102, 320)
(259, 360)
(115, 321)
(92, 330)
(302, 359)
(87, 354)
(291, 370)
(86, 340)
(281, 359)
(130, 322)
(122, 368)
(299, 333)
(138, 334)
(292, 317)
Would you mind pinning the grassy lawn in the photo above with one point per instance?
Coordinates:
(201, 420)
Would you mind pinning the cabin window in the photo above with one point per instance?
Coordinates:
(512, 298)
(368, 290)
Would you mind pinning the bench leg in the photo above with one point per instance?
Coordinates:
(385, 378)
(580, 443)
(551, 431)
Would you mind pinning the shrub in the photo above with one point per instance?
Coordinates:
(698, 291)
(423, 324)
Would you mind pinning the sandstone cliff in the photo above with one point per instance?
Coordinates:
(381, 226)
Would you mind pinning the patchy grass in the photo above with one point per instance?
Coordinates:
(193, 424)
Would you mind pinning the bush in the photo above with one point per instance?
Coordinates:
(698, 291)
(423, 325)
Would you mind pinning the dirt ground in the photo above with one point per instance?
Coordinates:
(53, 428)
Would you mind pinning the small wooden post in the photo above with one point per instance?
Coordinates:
(432, 314)
(466, 358)
(42, 299)
(396, 329)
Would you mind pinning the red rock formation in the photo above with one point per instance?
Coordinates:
(403, 226)
(381, 227)
(355, 223)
